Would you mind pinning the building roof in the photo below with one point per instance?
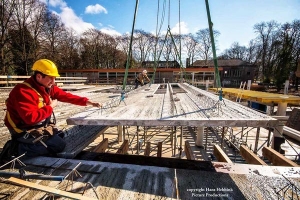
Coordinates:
(190, 69)
(221, 63)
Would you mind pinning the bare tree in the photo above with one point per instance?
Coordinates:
(296, 51)
(142, 46)
(22, 40)
(53, 30)
(267, 45)
(100, 50)
(68, 51)
(38, 20)
(236, 52)
(189, 43)
(203, 38)
(7, 8)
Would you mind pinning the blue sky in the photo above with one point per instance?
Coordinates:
(234, 19)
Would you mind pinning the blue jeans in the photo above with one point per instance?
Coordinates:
(137, 83)
(55, 144)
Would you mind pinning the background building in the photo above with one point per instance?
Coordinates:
(234, 71)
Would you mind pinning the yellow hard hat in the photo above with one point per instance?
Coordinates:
(46, 67)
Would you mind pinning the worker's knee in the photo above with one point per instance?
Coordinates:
(55, 144)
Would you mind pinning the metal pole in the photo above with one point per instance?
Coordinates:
(222, 140)
(181, 135)
(256, 140)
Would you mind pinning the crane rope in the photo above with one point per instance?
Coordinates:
(177, 52)
(129, 52)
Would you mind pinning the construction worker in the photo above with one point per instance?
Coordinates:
(29, 115)
(140, 79)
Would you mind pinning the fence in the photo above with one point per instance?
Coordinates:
(12, 80)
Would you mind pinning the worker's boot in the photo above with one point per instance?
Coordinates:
(9, 151)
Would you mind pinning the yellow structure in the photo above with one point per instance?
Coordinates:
(261, 97)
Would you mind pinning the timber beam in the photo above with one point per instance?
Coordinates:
(124, 148)
(188, 151)
(276, 158)
(101, 147)
(147, 149)
(250, 157)
(221, 155)
(159, 149)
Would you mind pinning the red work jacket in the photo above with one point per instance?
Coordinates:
(28, 104)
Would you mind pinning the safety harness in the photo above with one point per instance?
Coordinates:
(41, 103)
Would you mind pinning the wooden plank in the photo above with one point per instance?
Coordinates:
(276, 158)
(20, 79)
(69, 77)
(147, 149)
(15, 77)
(57, 81)
(159, 149)
(124, 148)
(47, 189)
(60, 77)
(188, 151)
(221, 155)
(250, 157)
(10, 82)
(70, 81)
(101, 147)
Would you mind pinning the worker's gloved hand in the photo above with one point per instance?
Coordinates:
(48, 131)
(94, 104)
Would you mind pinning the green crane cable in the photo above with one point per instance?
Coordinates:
(178, 54)
(130, 47)
(176, 51)
(210, 24)
(156, 36)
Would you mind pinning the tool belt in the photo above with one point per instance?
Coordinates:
(50, 130)
(41, 134)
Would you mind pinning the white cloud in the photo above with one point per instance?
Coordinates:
(110, 31)
(183, 28)
(71, 20)
(95, 9)
(59, 3)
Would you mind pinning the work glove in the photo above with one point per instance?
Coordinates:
(48, 131)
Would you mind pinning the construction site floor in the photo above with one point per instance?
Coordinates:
(178, 178)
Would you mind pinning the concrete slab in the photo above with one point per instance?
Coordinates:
(195, 107)
(111, 180)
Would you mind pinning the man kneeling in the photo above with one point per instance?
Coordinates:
(29, 109)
